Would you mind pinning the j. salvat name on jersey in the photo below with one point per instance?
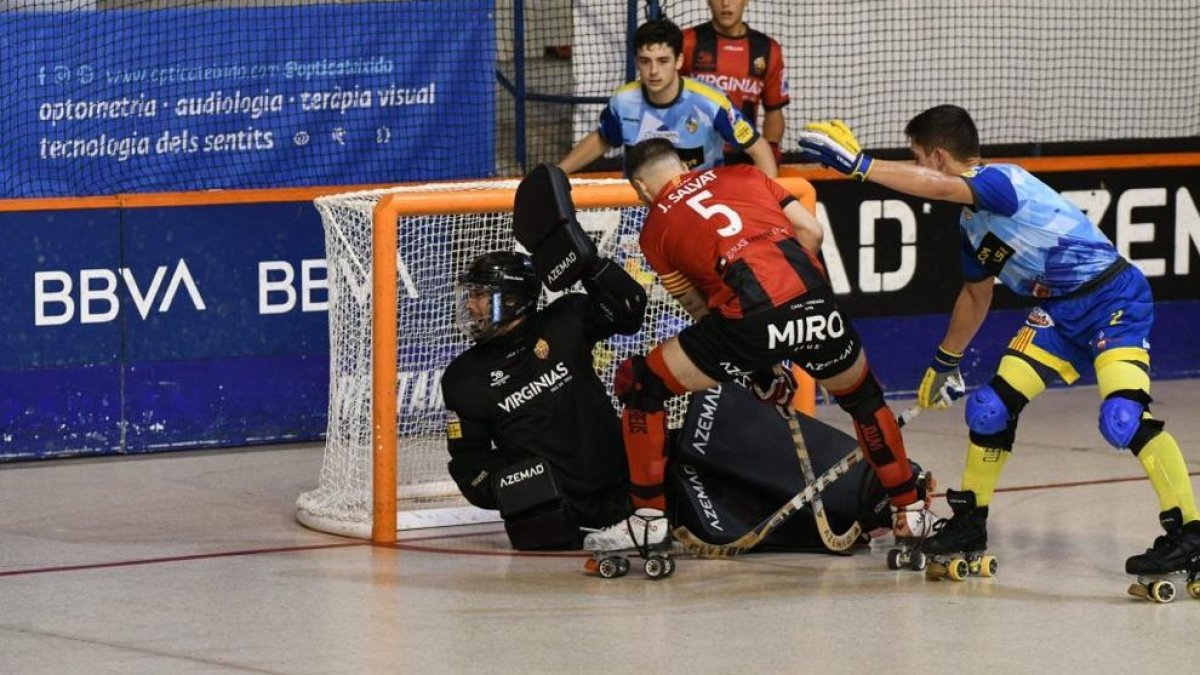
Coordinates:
(551, 379)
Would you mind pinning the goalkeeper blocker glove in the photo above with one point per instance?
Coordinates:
(942, 383)
(833, 145)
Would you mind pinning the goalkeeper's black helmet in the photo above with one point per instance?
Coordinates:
(511, 284)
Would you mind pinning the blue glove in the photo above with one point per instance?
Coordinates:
(832, 144)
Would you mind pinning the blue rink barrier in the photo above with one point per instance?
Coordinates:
(133, 328)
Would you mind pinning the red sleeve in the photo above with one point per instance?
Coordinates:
(775, 85)
(650, 242)
(689, 46)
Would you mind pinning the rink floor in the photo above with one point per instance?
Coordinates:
(192, 562)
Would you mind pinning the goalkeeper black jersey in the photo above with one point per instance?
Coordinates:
(534, 392)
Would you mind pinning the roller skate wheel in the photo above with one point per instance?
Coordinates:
(893, 559)
(1194, 590)
(1162, 591)
(656, 567)
(988, 566)
(609, 568)
(916, 561)
(623, 565)
(958, 569)
(670, 563)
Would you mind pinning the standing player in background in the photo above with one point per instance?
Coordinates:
(1096, 311)
(739, 253)
(744, 63)
(696, 118)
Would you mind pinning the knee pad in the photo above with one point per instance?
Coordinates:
(1121, 421)
(863, 400)
(637, 386)
(991, 414)
(535, 513)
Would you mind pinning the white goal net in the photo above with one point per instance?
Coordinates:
(432, 251)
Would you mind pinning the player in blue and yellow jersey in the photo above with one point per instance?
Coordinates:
(698, 119)
(1096, 311)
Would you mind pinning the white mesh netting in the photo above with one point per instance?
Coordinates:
(433, 251)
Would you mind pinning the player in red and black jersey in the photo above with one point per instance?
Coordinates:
(744, 63)
(739, 253)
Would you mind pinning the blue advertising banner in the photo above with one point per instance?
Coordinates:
(187, 99)
(138, 329)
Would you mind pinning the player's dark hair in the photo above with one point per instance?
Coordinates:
(659, 32)
(948, 127)
(647, 152)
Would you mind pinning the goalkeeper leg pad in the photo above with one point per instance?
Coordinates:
(544, 222)
(535, 515)
(880, 439)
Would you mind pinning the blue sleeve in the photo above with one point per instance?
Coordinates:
(610, 127)
(734, 128)
(993, 191)
(972, 269)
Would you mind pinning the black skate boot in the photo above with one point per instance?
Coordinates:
(957, 548)
(1175, 556)
(912, 525)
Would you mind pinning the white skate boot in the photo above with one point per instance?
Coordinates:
(911, 525)
(645, 533)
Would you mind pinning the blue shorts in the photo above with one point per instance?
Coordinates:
(1068, 334)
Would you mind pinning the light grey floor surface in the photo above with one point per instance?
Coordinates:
(192, 563)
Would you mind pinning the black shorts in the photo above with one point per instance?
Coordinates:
(809, 330)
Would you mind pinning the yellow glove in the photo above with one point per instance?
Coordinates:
(834, 145)
(942, 383)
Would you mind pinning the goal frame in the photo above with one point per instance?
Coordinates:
(384, 315)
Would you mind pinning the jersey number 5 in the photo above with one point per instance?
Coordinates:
(708, 211)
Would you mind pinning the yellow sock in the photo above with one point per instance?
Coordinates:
(1168, 473)
(983, 471)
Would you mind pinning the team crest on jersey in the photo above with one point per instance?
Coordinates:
(541, 349)
(453, 426)
(1038, 318)
(760, 65)
(692, 125)
(743, 132)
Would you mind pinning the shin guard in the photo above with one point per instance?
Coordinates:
(644, 426)
(880, 439)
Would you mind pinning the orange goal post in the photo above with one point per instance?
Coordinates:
(392, 256)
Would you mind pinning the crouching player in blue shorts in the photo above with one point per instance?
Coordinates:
(1096, 310)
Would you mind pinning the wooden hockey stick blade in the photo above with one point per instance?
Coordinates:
(832, 540)
(755, 536)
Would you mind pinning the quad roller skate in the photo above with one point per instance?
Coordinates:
(645, 534)
(1174, 558)
(912, 525)
(958, 545)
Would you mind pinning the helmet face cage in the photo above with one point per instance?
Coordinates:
(510, 285)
